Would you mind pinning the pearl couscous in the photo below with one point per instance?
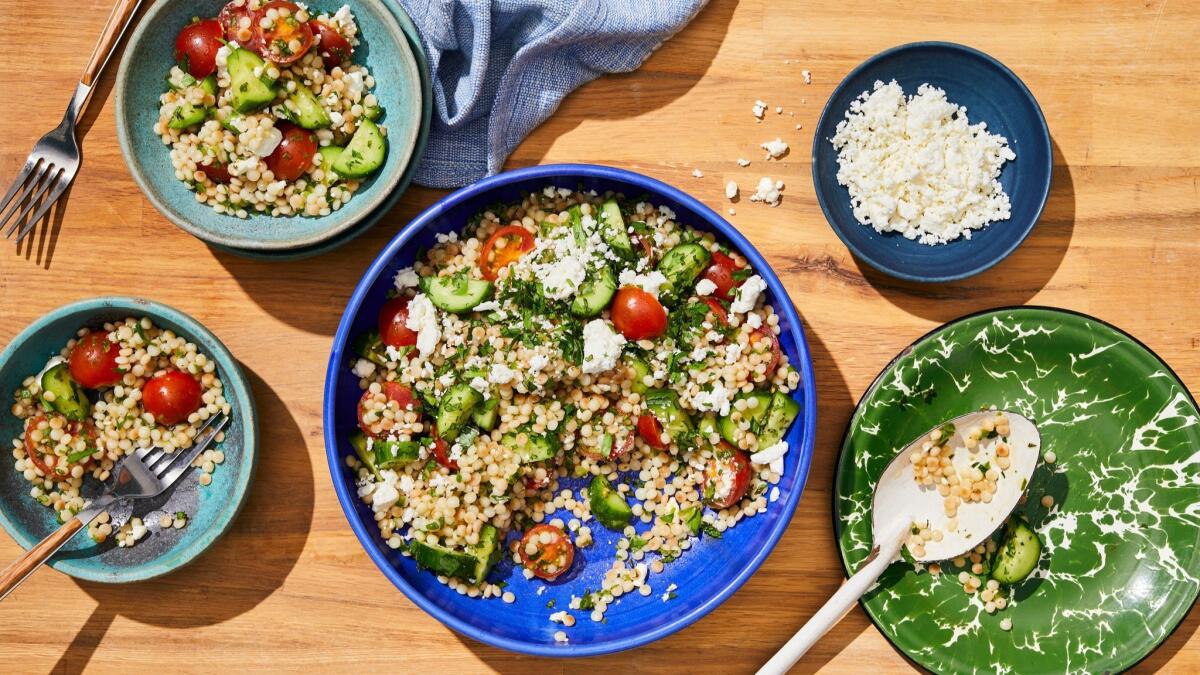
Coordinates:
(571, 362)
(108, 392)
(266, 113)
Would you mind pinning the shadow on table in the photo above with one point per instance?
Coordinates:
(242, 568)
(794, 581)
(1012, 282)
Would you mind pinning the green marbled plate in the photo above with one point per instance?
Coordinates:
(1121, 560)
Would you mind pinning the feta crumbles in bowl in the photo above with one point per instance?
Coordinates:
(932, 162)
(93, 381)
(269, 126)
(569, 410)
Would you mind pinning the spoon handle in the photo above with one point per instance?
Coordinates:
(884, 553)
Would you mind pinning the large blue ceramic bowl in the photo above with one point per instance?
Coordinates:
(384, 49)
(992, 93)
(705, 575)
(212, 508)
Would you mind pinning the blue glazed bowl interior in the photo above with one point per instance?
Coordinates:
(211, 508)
(384, 49)
(705, 575)
(991, 94)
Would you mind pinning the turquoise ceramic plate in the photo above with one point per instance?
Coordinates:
(384, 50)
(1120, 565)
(375, 216)
(212, 508)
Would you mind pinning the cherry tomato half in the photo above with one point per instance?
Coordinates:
(765, 333)
(171, 397)
(637, 314)
(647, 246)
(333, 48)
(720, 272)
(93, 361)
(533, 484)
(441, 451)
(717, 310)
(216, 172)
(196, 47)
(294, 154)
(606, 450)
(404, 398)
(651, 431)
(503, 248)
(727, 477)
(547, 551)
(287, 38)
(31, 450)
(238, 21)
(393, 320)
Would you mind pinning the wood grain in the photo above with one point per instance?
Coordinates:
(290, 589)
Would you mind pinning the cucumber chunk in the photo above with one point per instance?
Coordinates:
(537, 447)
(708, 426)
(486, 414)
(609, 507)
(640, 370)
(455, 294)
(304, 109)
(612, 229)
(390, 454)
(780, 415)
(329, 155)
(252, 88)
(233, 121)
(187, 115)
(455, 409)
(365, 152)
(758, 404)
(664, 403)
(595, 293)
(470, 564)
(359, 442)
(681, 265)
(209, 85)
(370, 347)
(692, 517)
(179, 79)
(1018, 555)
(69, 398)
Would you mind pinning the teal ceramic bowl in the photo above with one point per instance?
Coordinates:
(212, 508)
(414, 41)
(384, 49)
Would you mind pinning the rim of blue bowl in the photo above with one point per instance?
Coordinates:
(232, 377)
(374, 211)
(1004, 70)
(712, 219)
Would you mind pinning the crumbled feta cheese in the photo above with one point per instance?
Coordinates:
(731, 189)
(732, 211)
(422, 318)
(385, 493)
(601, 346)
(774, 494)
(538, 362)
(501, 374)
(267, 142)
(807, 75)
(775, 149)
(759, 108)
(778, 110)
(743, 162)
(717, 400)
(753, 321)
(767, 191)
(480, 385)
(559, 616)
(363, 368)
(747, 294)
(697, 173)
(652, 282)
(705, 287)
(768, 455)
(487, 306)
(354, 82)
(406, 278)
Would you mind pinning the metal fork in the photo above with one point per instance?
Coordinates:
(52, 165)
(146, 473)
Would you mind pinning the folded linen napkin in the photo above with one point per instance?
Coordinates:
(500, 68)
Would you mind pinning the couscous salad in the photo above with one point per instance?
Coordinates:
(266, 112)
(570, 335)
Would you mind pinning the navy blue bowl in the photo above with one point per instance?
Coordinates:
(992, 93)
(705, 575)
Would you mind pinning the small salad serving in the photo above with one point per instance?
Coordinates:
(108, 392)
(265, 111)
(570, 362)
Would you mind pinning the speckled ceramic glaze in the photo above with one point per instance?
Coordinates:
(1120, 565)
(369, 221)
(385, 50)
(991, 93)
(212, 508)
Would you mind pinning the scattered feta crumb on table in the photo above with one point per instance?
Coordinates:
(697, 173)
(731, 189)
(775, 149)
(759, 108)
(807, 75)
(767, 191)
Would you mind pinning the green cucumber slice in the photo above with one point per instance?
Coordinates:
(594, 293)
(359, 442)
(609, 507)
(780, 415)
(1018, 554)
(252, 88)
(537, 447)
(456, 294)
(758, 404)
(471, 564)
(455, 409)
(69, 398)
(365, 152)
(486, 414)
(681, 265)
(390, 454)
(664, 403)
(612, 228)
(304, 108)
(640, 370)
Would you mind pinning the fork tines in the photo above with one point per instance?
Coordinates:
(36, 178)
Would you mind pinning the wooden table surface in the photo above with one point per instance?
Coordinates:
(290, 589)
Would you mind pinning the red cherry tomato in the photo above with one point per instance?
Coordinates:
(517, 242)
(196, 47)
(727, 477)
(533, 484)
(32, 451)
(651, 431)
(392, 324)
(404, 398)
(171, 397)
(720, 272)
(647, 246)
(717, 310)
(333, 48)
(547, 551)
(93, 361)
(294, 154)
(765, 333)
(637, 314)
(216, 172)
(287, 38)
(441, 452)
(619, 448)
(238, 30)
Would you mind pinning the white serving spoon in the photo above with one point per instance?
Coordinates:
(899, 502)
